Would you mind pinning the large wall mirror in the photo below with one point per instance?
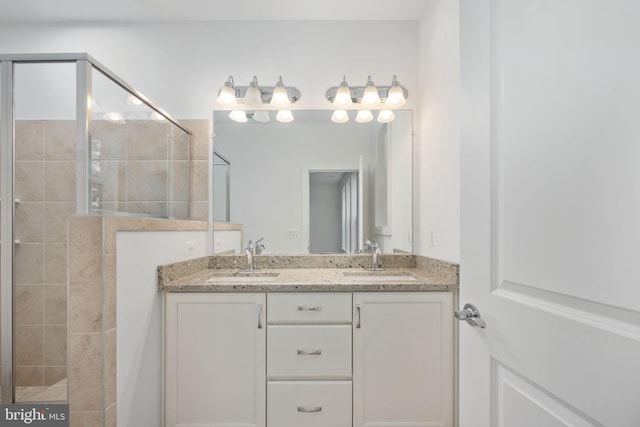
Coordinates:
(314, 186)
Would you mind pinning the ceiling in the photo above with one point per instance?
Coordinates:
(38, 11)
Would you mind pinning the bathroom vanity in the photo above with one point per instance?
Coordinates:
(309, 341)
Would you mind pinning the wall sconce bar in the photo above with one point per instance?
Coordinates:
(358, 91)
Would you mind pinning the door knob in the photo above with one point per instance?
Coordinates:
(471, 314)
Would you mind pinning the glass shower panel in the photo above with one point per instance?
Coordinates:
(140, 161)
(221, 169)
(45, 193)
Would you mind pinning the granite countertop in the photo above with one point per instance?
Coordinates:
(308, 273)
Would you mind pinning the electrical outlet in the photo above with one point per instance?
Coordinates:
(293, 233)
(190, 248)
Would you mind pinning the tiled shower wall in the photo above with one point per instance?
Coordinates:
(45, 175)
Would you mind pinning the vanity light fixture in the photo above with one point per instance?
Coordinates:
(114, 117)
(366, 98)
(241, 99)
(284, 116)
(364, 116)
(157, 117)
(370, 97)
(133, 100)
(280, 98)
(227, 94)
(386, 116)
(238, 116)
(340, 116)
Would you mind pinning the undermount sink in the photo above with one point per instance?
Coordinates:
(243, 277)
(379, 276)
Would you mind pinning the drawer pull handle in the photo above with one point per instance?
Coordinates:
(305, 308)
(309, 353)
(309, 408)
(259, 316)
(358, 323)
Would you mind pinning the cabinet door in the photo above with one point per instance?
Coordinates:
(403, 359)
(215, 360)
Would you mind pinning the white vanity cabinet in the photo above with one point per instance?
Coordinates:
(403, 359)
(309, 360)
(215, 360)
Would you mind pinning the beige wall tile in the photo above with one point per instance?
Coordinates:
(111, 184)
(55, 345)
(146, 181)
(179, 144)
(200, 211)
(199, 180)
(60, 140)
(159, 209)
(199, 139)
(60, 181)
(28, 376)
(110, 374)
(28, 344)
(111, 416)
(29, 221)
(29, 263)
(85, 235)
(85, 293)
(54, 374)
(86, 372)
(86, 419)
(55, 304)
(112, 140)
(55, 263)
(29, 140)
(110, 291)
(179, 175)
(55, 220)
(28, 304)
(147, 140)
(29, 178)
(179, 210)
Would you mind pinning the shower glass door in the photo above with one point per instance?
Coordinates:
(44, 196)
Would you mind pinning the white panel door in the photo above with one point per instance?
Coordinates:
(215, 360)
(550, 204)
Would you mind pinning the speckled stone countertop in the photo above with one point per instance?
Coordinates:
(308, 273)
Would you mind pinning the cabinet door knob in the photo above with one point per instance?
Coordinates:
(309, 408)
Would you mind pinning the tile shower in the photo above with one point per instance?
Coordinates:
(139, 166)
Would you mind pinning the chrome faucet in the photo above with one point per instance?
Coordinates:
(375, 252)
(251, 251)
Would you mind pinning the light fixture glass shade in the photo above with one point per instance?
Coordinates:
(227, 94)
(238, 116)
(253, 97)
(364, 116)
(343, 95)
(284, 116)
(395, 96)
(370, 97)
(114, 117)
(386, 116)
(280, 97)
(133, 100)
(261, 116)
(340, 116)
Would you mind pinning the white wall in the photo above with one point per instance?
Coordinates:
(437, 154)
(139, 314)
(181, 66)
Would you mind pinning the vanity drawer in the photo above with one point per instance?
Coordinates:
(309, 307)
(308, 351)
(309, 403)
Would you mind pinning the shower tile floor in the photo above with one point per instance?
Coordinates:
(56, 392)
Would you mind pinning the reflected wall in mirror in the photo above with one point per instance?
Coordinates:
(293, 182)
